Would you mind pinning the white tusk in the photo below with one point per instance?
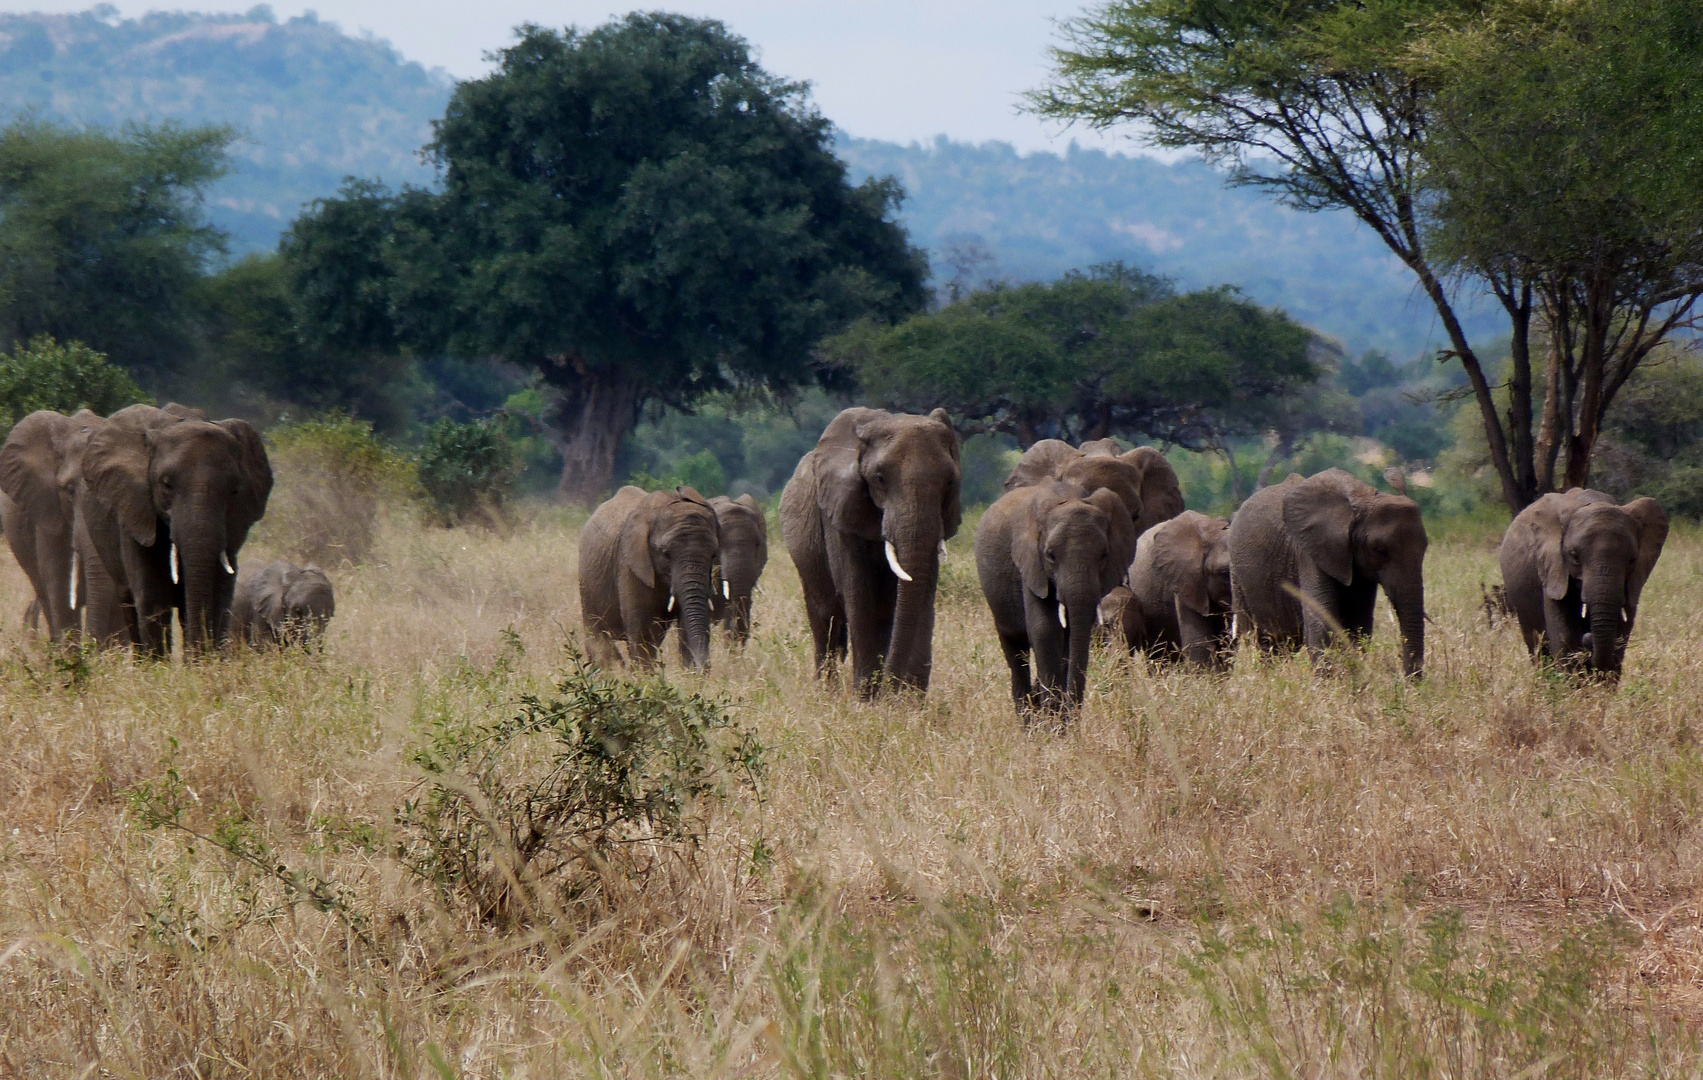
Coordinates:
(726, 593)
(225, 561)
(1232, 624)
(1061, 619)
(174, 562)
(73, 579)
(670, 602)
(943, 551)
(1100, 617)
(893, 561)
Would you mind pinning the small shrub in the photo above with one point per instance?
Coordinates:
(47, 375)
(603, 780)
(332, 475)
(466, 470)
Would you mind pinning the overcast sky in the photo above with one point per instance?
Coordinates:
(890, 69)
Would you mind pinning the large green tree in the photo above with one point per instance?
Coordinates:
(102, 238)
(639, 213)
(1336, 103)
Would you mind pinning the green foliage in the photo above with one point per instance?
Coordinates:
(47, 375)
(757, 442)
(332, 476)
(606, 778)
(466, 470)
(1653, 444)
(701, 471)
(102, 236)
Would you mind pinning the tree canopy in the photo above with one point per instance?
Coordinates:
(637, 213)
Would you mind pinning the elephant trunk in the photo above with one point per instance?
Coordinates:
(1081, 608)
(206, 572)
(691, 589)
(910, 649)
(1602, 605)
(1407, 599)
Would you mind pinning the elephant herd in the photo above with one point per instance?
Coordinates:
(124, 523)
(1085, 540)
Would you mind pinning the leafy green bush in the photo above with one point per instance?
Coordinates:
(702, 471)
(466, 470)
(47, 375)
(331, 476)
(602, 781)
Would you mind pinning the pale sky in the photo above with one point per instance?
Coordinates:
(891, 69)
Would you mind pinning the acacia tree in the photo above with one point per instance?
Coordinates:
(1333, 105)
(639, 213)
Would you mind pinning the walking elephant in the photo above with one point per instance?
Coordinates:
(281, 603)
(1333, 539)
(1142, 476)
(37, 464)
(1573, 568)
(166, 501)
(1179, 604)
(744, 553)
(646, 559)
(1047, 555)
(865, 517)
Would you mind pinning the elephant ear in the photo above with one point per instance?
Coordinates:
(29, 460)
(1026, 550)
(1040, 463)
(1652, 534)
(952, 509)
(1320, 517)
(1161, 494)
(749, 501)
(1179, 561)
(1120, 538)
(1546, 520)
(254, 469)
(184, 412)
(840, 491)
(115, 467)
(635, 538)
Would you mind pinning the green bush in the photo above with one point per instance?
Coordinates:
(331, 477)
(702, 471)
(466, 470)
(47, 375)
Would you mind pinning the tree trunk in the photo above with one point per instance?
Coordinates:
(594, 415)
(1284, 444)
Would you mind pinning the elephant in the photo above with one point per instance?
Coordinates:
(1333, 539)
(1573, 568)
(281, 603)
(1179, 606)
(865, 518)
(38, 462)
(1047, 555)
(646, 559)
(1142, 473)
(165, 502)
(744, 553)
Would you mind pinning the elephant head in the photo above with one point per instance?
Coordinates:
(744, 553)
(1191, 559)
(1355, 534)
(671, 540)
(306, 606)
(1040, 463)
(1593, 558)
(892, 479)
(185, 493)
(1143, 476)
(1074, 549)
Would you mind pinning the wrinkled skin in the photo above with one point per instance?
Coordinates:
(38, 465)
(281, 603)
(646, 560)
(744, 553)
(1573, 568)
(876, 483)
(1141, 476)
(159, 481)
(1335, 539)
(1179, 583)
(1047, 555)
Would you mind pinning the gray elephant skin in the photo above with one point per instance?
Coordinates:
(39, 466)
(1047, 555)
(1335, 539)
(865, 518)
(280, 603)
(646, 559)
(744, 553)
(166, 501)
(1179, 592)
(1141, 476)
(1573, 568)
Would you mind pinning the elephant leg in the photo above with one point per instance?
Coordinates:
(1562, 640)
(828, 632)
(1199, 635)
(645, 646)
(1016, 649)
(1047, 642)
(741, 620)
(869, 596)
(1359, 606)
(601, 646)
(153, 624)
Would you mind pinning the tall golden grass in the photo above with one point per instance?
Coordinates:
(1492, 872)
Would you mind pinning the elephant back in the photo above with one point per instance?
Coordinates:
(1041, 462)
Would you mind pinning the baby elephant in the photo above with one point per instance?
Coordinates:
(744, 553)
(646, 560)
(1179, 604)
(281, 603)
(1047, 555)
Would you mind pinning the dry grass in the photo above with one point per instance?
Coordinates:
(1266, 873)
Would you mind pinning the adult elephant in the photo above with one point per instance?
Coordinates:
(1573, 568)
(166, 502)
(645, 561)
(744, 553)
(1142, 475)
(37, 464)
(1047, 555)
(1333, 539)
(865, 518)
(1179, 584)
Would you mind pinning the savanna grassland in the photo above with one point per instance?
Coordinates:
(1270, 873)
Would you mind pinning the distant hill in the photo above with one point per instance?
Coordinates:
(315, 105)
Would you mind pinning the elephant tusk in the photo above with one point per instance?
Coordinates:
(893, 561)
(943, 551)
(1232, 624)
(1062, 621)
(174, 562)
(225, 561)
(726, 593)
(1624, 617)
(671, 602)
(1100, 617)
(73, 579)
